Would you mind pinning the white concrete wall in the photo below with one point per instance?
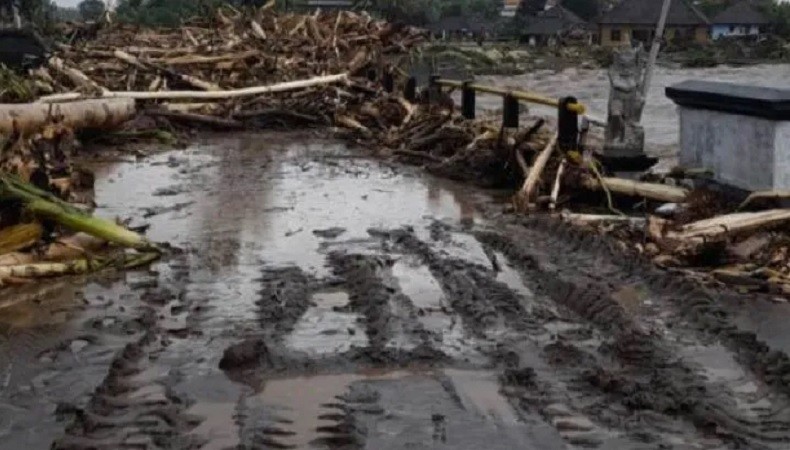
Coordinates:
(718, 31)
(743, 151)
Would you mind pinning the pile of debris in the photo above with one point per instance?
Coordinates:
(240, 66)
(237, 69)
(670, 218)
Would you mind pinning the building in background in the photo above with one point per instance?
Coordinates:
(555, 25)
(635, 20)
(740, 19)
(509, 8)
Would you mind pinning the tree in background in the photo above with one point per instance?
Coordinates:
(91, 9)
(168, 13)
(530, 7)
(482, 8)
(586, 9)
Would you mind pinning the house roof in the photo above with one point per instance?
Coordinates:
(551, 21)
(647, 12)
(741, 13)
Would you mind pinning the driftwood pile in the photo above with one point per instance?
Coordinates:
(241, 67)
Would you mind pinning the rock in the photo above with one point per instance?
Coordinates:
(575, 423)
(329, 233)
(557, 409)
(668, 209)
(78, 344)
(244, 354)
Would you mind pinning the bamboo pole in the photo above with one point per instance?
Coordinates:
(204, 95)
(103, 114)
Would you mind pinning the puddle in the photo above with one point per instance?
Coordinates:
(217, 426)
(417, 283)
(324, 329)
(303, 406)
(479, 390)
(254, 198)
(512, 278)
(467, 247)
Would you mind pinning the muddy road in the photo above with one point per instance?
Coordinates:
(321, 300)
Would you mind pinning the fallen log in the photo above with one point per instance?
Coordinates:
(101, 114)
(75, 76)
(764, 195)
(555, 191)
(592, 219)
(722, 227)
(200, 59)
(653, 191)
(204, 95)
(189, 79)
(524, 196)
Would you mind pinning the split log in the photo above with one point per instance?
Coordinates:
(653, 191)
(592, 219)
(353, 124)
(555, 191)
(206, 95)
(189, 79)
(75, 76)
(722, 227)
(524, 196)
(764, 195)
(257, 30)
(101, 114)
(200, 59)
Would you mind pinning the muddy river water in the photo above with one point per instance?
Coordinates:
(318, 299)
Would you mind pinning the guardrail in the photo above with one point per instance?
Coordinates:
(570, 112)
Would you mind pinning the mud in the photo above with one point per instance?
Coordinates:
(320, 300)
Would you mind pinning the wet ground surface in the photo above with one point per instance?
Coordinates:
(321, 300)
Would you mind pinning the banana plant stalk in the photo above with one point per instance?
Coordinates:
(44, 205)
(77, 266)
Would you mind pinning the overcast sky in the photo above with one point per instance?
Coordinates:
(75, 2)
(67, 2)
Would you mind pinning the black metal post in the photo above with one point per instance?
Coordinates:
(434, 90)
(388, 81)
(468, 101)
(567, 125)
(510, 110)
(410, 90)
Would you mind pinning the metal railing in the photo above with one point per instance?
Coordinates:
(569, 109)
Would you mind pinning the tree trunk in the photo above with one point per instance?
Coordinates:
(94, 114)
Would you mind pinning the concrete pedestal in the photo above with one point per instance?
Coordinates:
(740, 133)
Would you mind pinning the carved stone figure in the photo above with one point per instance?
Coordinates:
(624, 136)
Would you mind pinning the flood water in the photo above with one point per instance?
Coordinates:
(660, 120)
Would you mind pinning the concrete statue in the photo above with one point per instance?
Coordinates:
(624, 137)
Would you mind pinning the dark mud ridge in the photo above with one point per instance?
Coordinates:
(356, 318)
